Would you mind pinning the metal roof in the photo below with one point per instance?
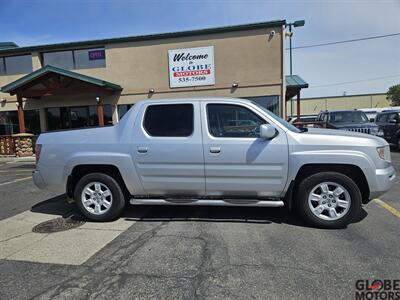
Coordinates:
(51, 69)
(295, 81)
(101, 42)
(8, 45)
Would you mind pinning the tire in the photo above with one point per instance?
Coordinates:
(316, 200)
(104, 196)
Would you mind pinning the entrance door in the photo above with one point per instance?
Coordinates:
(238, 162)
(168, 149)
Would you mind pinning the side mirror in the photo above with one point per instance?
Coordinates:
(267, 131)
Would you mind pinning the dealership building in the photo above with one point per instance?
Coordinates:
(93, 83)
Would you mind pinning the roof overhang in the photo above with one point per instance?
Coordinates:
(51, 80)
(294, 83)
(139, 38)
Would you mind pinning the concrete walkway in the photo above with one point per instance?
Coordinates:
(10, 159)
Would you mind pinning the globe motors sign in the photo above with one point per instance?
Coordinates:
(191, 67)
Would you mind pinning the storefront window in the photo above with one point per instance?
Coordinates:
(122, 109)
(32, 121)
(2, 66)
(90, 58)
(79, 117)
(76, 59)
(76, 117)
(11, 65)
(107, 115)
(9, 122)
(269, 102)
(62, 59)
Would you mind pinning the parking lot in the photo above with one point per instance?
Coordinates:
(186, 252)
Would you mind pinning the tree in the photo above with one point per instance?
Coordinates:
(393, 95)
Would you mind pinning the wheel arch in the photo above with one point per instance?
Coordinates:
(79, 171)
(352, 171)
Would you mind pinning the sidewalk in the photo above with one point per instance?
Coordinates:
(12, 159)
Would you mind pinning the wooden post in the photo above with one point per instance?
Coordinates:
(298, 106)
(100, 112)
(21, 118)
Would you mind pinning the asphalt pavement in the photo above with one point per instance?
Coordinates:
(187, 252)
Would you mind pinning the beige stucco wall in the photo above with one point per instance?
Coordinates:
(251, 58)
(312, 106)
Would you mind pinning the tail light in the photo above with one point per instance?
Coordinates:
(38, 149)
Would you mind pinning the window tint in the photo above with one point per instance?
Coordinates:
(76, 59)
(59, 118)
(62, 59)
(123, 109)
(2, 66)
(11, 65)
(90, 58)
(348, 117)
(269, 102)
(174, 120)
(226, 120)
(9, 122)
(32, 121)
(382, 118)
(393, 116)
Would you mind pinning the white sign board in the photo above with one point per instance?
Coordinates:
(191, 67)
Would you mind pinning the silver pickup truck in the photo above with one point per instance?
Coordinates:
(214, 151)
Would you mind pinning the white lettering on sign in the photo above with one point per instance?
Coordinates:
(191, 67)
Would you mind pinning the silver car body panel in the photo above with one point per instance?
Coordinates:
(244, 167)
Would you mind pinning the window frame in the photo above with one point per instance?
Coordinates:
(169, 104)
(232, 137)
(74, 65)
(4, 64)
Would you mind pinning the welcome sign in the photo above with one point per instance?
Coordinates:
(191, 67)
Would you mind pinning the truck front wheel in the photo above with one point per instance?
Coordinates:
(99, 197)
(328, 200)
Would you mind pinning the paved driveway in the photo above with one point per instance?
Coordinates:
(187, 252)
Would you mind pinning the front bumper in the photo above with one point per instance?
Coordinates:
(385, 179)
(38, 179)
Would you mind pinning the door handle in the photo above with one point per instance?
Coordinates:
(142, 150)
(215, 149)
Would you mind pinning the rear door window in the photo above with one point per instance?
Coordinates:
(169, 120)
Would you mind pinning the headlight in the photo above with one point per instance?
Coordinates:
(384, 153)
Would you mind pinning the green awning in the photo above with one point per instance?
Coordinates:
(36, 75)
(295, 81)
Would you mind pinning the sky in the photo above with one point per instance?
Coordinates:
(369, 66)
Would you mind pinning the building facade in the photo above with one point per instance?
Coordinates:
(312, 106)
(91, 83)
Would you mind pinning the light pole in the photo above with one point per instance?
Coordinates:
(298, 23)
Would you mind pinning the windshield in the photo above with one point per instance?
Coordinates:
(348, 117)
(278, 119)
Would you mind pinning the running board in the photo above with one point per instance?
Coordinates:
(225, 202)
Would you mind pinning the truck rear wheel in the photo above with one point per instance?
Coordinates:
(99, 197)
(328, 200)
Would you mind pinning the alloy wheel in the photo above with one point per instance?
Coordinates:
(329, 201)
(96, 198)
